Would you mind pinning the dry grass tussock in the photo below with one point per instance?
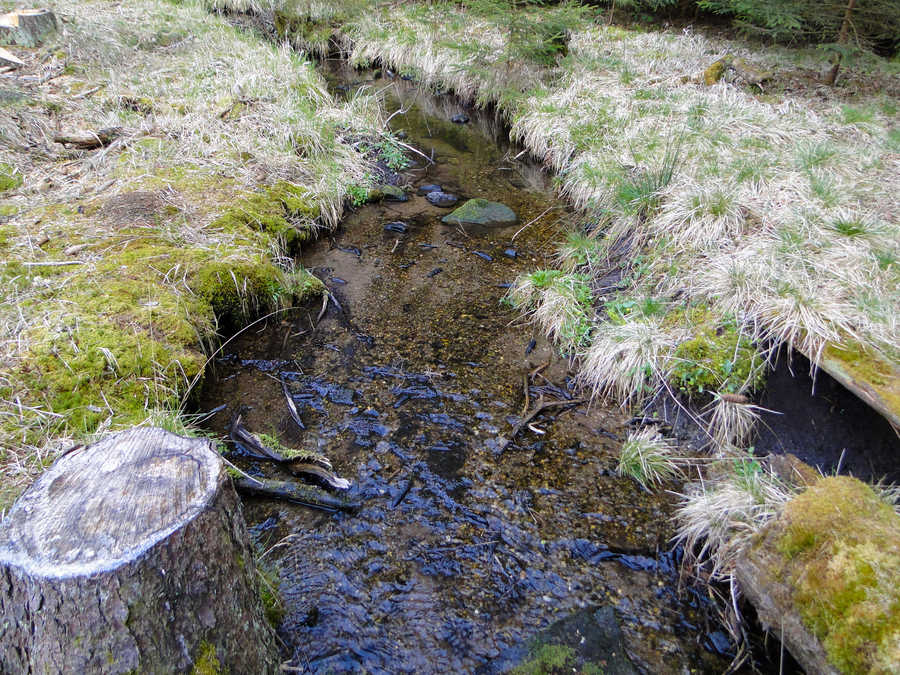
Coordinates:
(116, 260)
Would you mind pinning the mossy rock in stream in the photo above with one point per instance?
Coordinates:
(481, 212)
(589, 642)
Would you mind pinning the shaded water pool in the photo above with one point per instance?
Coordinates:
(410, 383)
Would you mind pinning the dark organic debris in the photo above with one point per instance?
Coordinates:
(435, 272)
(397, 226)
(483, 255)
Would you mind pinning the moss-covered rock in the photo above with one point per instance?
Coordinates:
(481, 212)
(841, 547)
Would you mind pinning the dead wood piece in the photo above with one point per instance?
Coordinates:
(538, 409)
(298, 493)
(9, 59)
(292, 407)
(255, 447)
(130, 555)
(27, 27)
(89, 140)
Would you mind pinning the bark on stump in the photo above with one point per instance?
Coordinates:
(27, 27)
(131, 555)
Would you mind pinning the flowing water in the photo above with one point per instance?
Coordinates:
(410, 383)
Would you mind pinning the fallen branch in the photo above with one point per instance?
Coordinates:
(9, 59)
(89, 140)
(538, 409)
(297, 493)
(292, 407)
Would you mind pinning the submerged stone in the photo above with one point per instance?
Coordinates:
(428, 187)
(481, 212)
(588, 641)
(387, 192)
(444, 199)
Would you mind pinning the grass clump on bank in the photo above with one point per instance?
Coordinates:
(123, 264)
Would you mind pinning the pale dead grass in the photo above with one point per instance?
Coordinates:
(207, 112)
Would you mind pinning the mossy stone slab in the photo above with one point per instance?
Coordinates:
(481, 212)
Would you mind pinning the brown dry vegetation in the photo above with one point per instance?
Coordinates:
(121, 263)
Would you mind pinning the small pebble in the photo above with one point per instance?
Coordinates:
(510, 253)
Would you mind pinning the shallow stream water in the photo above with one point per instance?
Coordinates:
(409, 383)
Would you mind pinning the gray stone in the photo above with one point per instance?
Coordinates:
(444, 199)
(481, 212)
(429, 187)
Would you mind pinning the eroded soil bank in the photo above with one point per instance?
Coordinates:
(410, 383)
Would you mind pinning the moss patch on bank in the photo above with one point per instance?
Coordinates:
(840, 542)
(123, 266)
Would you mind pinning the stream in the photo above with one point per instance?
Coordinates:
(409, 384)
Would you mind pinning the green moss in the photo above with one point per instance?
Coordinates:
(10, 178)
(719, 358)
(841, 547)
(868, 368)
(548, 659)
(285, 210)
(273, 443)
(270, 596)
(206, 662)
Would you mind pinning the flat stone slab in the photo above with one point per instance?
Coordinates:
(481, 212)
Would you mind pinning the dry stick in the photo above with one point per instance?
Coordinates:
(324, 307)
(538, 409)
(532, 222)
(527, 397)
(412, 149)
(292, 407)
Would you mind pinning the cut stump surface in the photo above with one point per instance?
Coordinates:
(130, 555)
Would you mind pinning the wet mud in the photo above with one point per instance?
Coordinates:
(410, 383)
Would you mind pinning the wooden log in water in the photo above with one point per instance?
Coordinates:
(131, 555)
(299, 493)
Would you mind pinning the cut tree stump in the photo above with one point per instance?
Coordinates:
(131, 555)
(27, 27)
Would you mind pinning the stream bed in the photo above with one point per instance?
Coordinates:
(410, 384)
